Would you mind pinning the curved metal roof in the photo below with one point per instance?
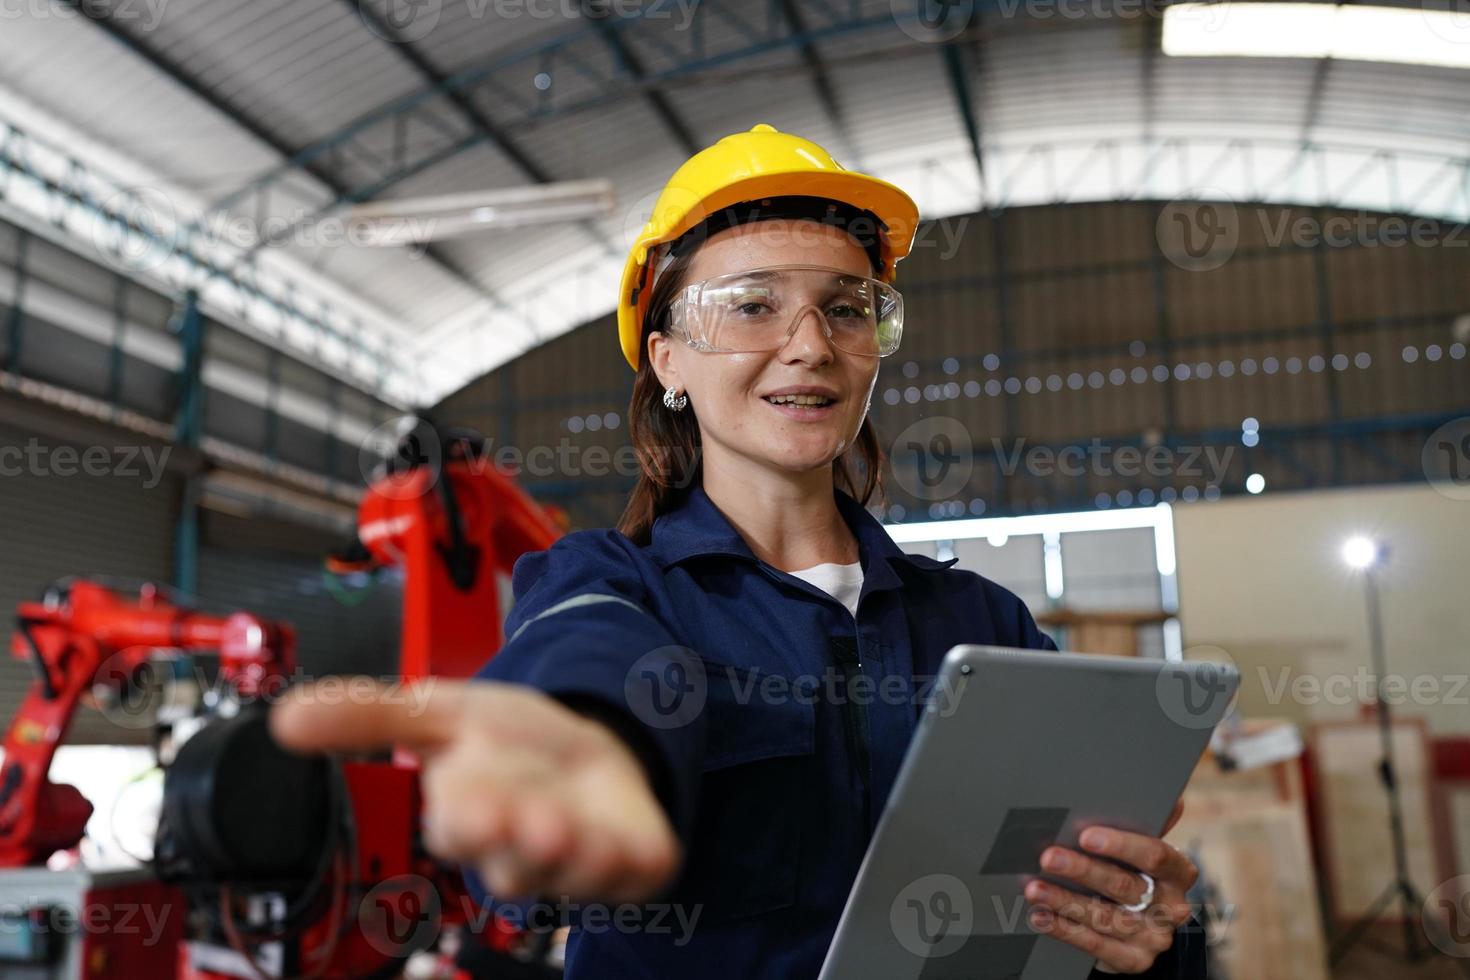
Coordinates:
(284, 109)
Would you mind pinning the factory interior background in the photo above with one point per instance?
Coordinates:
(1184, 365)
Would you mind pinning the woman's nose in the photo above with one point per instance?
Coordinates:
(808, 340)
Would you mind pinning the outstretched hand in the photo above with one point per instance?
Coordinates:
(538, 799)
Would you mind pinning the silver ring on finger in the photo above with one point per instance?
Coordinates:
(1148, 896)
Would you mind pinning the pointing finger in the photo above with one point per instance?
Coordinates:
(363, 715)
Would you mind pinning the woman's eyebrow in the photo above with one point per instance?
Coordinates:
(766, 275)
(757, 275)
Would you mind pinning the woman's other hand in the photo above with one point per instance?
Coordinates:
(538, 799)
(1122, 941)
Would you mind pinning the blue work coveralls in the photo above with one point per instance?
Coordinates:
(720, 671)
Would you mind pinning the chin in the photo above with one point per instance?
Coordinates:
(808, 455)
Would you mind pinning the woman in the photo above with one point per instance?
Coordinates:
(708, 705)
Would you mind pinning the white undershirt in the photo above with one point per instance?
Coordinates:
(842, 582)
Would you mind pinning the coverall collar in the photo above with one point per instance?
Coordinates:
(698, 528)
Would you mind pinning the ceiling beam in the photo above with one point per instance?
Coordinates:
(959, 73)
(821, 78)
(102, 19)
(458, 98)
(464, 103)
(1318, 92)
(175, 72)
(597, 13)
(1313, 109)
(1153, 47)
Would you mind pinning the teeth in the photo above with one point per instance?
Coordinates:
(799, 399)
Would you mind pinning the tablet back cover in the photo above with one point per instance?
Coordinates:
(1017, 750)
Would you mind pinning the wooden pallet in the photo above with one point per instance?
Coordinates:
(1249, 830)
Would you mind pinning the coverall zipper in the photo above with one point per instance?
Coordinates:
(855, 717)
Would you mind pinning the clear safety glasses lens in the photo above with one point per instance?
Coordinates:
(759, 310)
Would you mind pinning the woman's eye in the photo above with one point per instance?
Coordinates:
(846, 311)
(751, 307)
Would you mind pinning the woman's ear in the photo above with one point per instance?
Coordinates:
(661, 358)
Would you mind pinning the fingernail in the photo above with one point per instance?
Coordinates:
(1054, 861)
(1094, 840)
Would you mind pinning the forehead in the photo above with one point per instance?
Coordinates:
(778, 241)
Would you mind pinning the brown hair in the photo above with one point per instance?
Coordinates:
(667, 442)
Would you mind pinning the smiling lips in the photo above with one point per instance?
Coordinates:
(801, 404)
(798, 399)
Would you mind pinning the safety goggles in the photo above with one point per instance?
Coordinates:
(758, 310)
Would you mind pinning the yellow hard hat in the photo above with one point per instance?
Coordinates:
(749, 166)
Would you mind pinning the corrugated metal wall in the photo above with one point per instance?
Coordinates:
(275, 570)
(89, 330)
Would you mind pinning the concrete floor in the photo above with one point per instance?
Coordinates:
(1366, 962)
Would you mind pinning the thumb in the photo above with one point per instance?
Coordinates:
(359, 714)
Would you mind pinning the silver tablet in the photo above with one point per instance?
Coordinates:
(1015, 751)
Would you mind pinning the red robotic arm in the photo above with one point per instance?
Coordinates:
(452, 521)
(84, 636)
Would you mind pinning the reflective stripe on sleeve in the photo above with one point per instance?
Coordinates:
(577, 601)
